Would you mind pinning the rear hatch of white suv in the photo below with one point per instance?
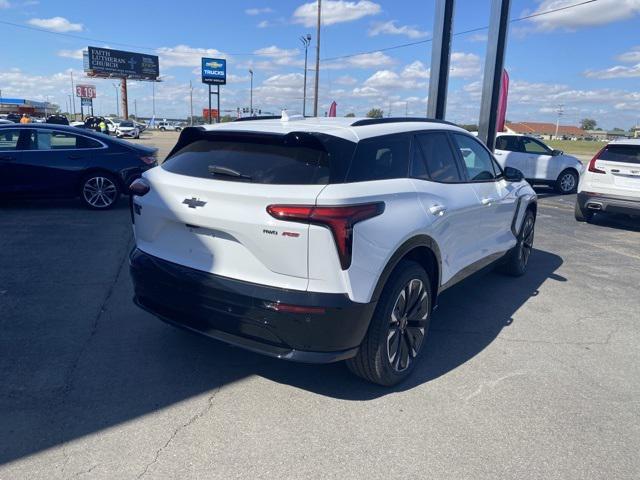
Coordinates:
(207, 204)
(615, 170)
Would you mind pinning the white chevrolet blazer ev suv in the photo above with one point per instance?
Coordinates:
(323, 239)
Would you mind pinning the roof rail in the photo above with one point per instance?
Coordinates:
(376, 121)
(266, 117)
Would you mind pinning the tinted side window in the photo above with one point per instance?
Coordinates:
(508, 142)
(9, 139)
(621, 153)
(438, 158)
(476, 158)
(55, 140)
(533, 146)
(380, 158)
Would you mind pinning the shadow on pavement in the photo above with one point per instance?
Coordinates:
(131, 364)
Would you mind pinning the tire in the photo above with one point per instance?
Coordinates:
(567, 182)
(99, 191)
(376, 360)
(582, 215)
(178, 129)
(162, 129)
(518, 258)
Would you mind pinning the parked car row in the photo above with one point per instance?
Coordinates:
(59, 160)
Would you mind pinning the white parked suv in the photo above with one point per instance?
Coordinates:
(539, 163)
(611, 182)
(323, 239)
(127, 128)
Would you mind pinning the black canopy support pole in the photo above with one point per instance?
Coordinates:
(440, 58)
(494, 64)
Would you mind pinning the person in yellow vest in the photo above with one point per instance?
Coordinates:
(103, 127)
(25, 118)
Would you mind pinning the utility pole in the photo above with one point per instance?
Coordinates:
(406, 109)
(153, 101)
(115, 86)
(251, 94)
(124, 99)
(191, 103)
(315, 100)
(135, 108)
(73, 92)
(306, 40)
(560, 112)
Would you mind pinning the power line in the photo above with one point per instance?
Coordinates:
(464, 32)
(340, 57)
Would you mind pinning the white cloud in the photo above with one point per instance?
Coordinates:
(334, 11)
(184, 56)
(276, 52)
(365, 60)
(478, 37)
(619, 71)
(258, 11)
(4, 4)
(390, 28)
(465, 65)
(590, 14)
(416, 70)
(264, 24)
(345, 80)
(75, 54)
(56, 24)
(632, 56)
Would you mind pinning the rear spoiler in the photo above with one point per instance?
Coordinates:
(303, 139)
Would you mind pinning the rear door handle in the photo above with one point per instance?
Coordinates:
(438, 210)
(488, 201)
(75, 157)
(7, 159)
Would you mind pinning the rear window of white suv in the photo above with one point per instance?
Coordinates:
(299, 159)
(621, 153)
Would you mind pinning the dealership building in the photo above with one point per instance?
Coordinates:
(22, 105)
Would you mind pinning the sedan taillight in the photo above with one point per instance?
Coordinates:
(139, 187)
(339, 219)
(149, 159)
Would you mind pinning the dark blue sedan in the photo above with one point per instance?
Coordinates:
(57, 160)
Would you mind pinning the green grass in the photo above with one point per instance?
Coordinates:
(577, 147)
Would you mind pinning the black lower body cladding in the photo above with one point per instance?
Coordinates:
(242, 314)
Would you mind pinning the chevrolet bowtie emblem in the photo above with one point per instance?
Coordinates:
(194, 202)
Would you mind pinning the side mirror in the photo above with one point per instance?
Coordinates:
(513, 174)
(555, 153)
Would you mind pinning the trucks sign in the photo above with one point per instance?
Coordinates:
(86, 91)
(214, 71)
(104, 62)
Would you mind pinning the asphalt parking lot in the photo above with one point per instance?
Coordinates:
(536, 377)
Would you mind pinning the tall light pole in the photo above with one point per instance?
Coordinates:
(315, 100)
(73, 99)
(251, 93)
(135, 108)
(306, 40)
(191, 103)
(115, 86)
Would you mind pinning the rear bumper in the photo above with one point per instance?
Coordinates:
(235, 312)
(590, 201)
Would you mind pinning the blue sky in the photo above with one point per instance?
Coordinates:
(585, 58)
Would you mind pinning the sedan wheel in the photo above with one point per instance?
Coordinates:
(100, 192)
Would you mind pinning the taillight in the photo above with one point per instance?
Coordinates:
(299, 309)
(592, 164)
(139, 187)
(339, 219)
(149, 159)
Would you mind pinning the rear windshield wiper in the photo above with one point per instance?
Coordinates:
(227, 172)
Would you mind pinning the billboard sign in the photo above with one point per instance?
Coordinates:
(86, 102)
(214, 71)
(104, 62)
(86, 91)
(206, 111)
